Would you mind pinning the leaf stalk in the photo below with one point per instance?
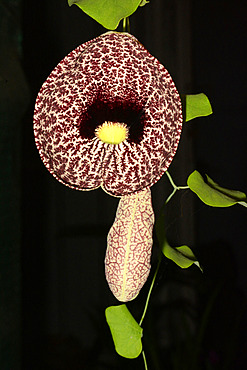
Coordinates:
(126, 24)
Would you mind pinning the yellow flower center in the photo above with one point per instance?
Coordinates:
(112, 132)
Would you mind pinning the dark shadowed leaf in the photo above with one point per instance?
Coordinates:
(182, 256)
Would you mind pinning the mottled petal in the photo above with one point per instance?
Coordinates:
(112, 75)
(129, 246)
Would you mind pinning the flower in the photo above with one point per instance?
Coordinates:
(129, 246)
(108, 115)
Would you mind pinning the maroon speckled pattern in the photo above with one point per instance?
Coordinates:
(129, 246)
(116, 66)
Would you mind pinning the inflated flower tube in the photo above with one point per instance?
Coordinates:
(109, 115)
(129, 246)
(109, 81)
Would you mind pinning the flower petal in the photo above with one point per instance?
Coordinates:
(112, 75)
(129, 246)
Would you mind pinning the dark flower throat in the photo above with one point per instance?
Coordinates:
(113, 110)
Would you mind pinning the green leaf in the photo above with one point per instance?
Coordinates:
(212, 194)
(126, 332)
(144, 2)
(182, 256)
(107, 12)
(197, 105)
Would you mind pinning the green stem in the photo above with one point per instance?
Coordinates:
(170, 196)
(172, 183)
(150, 291)
(171, 180)
(175, 187)
(145, 361)
(146, 305)
(126, 24)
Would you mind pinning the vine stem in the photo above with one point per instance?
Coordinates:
(146, 306)
(170, 196)
(171, 180)
(150, 291)
(172, 183)
(145, 361)
(175, 188)
(126, 24)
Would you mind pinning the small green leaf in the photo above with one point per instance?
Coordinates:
(197, 105)
(182, 256)
(244, 204)
(212, 194)
(107, 12)
(144, 2)
(126, 332)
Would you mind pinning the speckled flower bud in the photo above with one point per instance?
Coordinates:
(129, 246)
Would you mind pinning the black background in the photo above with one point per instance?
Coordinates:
(60, 282)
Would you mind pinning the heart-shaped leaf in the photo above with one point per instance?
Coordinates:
(197, 105)
(126, 332)
(182, 256)
(107, 12)
(212, 194)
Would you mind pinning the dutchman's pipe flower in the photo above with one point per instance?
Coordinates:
(109, 115)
